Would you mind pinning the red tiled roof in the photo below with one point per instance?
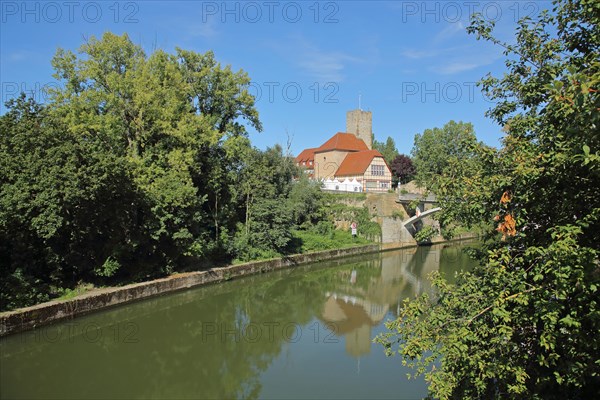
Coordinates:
(306, 156)
(343, 141)
(357, 163)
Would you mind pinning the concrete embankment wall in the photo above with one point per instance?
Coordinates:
(46, 313)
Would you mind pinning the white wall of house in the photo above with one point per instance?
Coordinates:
(377, 177)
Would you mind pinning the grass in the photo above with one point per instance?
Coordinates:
(67, 293)
(397, 214)
(359, 196)
(305, 241)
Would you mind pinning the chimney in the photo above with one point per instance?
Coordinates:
(360, 123)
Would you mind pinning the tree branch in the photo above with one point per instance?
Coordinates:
(512, 296)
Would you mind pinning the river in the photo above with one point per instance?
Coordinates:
(304, 332)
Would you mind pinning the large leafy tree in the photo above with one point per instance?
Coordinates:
(524, 323)
(172, 115)
(438, 149)
(69, 210)
(268, 212)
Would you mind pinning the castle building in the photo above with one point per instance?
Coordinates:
(346, 161)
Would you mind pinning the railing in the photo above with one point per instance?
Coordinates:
(409, 197)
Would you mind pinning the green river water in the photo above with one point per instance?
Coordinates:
(304, 332)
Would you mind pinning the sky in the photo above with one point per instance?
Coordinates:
(411, 63)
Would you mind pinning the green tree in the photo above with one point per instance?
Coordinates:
(68, 206)
(170, 116)
(436, 149)
(387, 149)
(265, 190)
(308, 202)
(524, 323)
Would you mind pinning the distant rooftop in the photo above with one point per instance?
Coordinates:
(343, 141)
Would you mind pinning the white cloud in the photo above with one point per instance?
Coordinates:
(204, 29)
(320, 64)
(467, 62)
(418, 54)
(429, 53)
(191, 26)
(323, 65)
(447, 60)
(21, 55)
(456, 67)
(449, 31)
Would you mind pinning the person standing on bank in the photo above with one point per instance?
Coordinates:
(353, 226)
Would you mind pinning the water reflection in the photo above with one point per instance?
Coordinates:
(363, 299)
(286, 334)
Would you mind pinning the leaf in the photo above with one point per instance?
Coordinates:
(586, 149)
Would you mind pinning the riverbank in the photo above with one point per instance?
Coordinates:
(28, 318)
(53, 311)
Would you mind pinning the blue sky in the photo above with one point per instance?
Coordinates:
(411, 62)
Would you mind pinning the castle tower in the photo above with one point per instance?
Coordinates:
(360, 123)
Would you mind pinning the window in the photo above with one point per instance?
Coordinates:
(377, 170)
(384, 185)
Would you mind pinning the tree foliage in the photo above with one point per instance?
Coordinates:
(388, 149)
(524, 323)
(269, 215)
(403, 170)
(437, 150)
(68, 205)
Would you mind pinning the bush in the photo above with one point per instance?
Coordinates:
(424, 235)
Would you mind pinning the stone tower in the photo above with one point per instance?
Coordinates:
(360, 123)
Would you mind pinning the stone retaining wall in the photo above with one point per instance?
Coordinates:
(43, 314)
